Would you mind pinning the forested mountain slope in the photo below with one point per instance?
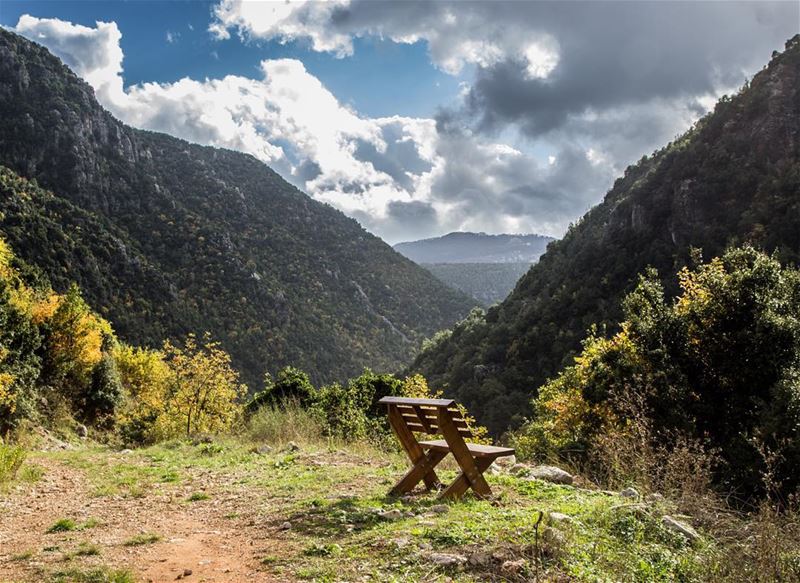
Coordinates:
(488, 283)
(166, 237)
(733, 178)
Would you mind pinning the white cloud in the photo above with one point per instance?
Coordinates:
(93, 53)
(579, 99)
(389, 172)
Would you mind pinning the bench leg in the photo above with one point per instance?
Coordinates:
(463, 483)
(422, 470)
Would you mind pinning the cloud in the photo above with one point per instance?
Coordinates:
(93, 53)
(557, 99)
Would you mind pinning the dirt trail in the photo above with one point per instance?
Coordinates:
(219, 540)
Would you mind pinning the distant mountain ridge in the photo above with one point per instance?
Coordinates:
(734, 178)
(465, 247)
(486, 267)
(165, 237)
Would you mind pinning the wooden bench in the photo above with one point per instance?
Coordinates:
(439, 417)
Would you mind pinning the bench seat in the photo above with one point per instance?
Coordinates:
(476, 449)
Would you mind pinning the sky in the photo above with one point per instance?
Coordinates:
(419, 118)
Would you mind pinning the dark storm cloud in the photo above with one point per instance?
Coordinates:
(613, 55)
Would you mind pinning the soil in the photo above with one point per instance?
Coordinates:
(221, 539)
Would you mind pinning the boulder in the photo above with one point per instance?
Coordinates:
(512, 568)
(393, 514)
(630, 493)
(559, 518)
(551, 474)
(680, 527)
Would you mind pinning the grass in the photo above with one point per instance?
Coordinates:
(93, 575)
(142, 539)
(11, 459)
(23, 556)
(331, 496)
(63, 525)
(68, 524)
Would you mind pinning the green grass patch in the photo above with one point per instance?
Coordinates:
(11, 459)
(68, 524)
(142, 539)
(94, 575)
(23, 556)
(197, 497)
(63, 525)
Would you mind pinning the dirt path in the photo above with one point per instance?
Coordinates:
(220, 539)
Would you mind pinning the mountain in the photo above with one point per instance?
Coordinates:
(166, 237)
(731, 179)
(488, 283)
(475, 248)
(483, 266)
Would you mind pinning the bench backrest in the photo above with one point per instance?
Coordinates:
(422, 415)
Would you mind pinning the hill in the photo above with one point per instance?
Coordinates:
(488, 283)
(733, 178)
(483, 266)
(475, 248)
(166, 237)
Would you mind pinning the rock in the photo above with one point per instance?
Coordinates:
(187, 572)
(401, 543)
(480, 559)
(519, 469)
(439, 508)
(629, 493)
(675, 525)
(506, 462)
(553, 537)
(559, 518)
(494, 469)
(447, 560)
(393, 514)
(126, 452)
(512, 568)
(655, 498)
(262, 449)
(292, 446)
(551, 474)
(285, 526)
(82, 431)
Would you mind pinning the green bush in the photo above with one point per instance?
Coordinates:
(719, 364)
(11, 459)
(105, 390)
(291, 386)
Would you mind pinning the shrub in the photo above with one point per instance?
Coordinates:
(105, 390)
(730, 343)
(292, 385)
(11, 459)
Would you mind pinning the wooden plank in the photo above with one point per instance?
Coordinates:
(461, 484)
(408, 401)
(415, 417)
(410, 445)
(476, 449)
(423, 467)
(461, 452)
(424, 420)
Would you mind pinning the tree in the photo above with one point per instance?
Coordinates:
(204, 388)
(719, 364)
